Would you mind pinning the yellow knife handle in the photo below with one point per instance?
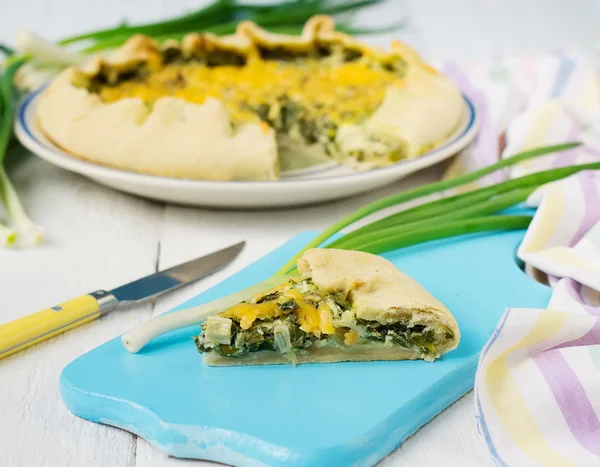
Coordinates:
(24, 332)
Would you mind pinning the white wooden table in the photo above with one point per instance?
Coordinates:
(99, 238)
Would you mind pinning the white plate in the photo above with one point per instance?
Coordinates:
(315, 184)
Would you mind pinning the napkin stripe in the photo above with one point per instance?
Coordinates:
(542, 122)
(591, 89)
(508, 400)
(562, 238)
(565, 71)
(592, 150)
(536, 388)
(568, 157)
(594, 351)
(481, 421)
(574, 290)
(485, 146)
(558, 256)
(569, 394)
(548, 226)
(538, 134)
(589, 338)
(486, 142)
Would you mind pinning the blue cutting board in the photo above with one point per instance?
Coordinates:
(344, 414)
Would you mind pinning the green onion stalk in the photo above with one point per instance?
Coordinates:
(18, 224)
(466, 213)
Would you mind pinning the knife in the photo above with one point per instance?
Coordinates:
(24, 332)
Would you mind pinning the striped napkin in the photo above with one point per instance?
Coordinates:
(537, 388)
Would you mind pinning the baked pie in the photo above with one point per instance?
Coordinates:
(244, 106)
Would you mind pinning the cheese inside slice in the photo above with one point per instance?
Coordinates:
(312, 320)
(247, 313)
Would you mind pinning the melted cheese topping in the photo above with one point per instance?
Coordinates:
(344, 92)
(312, 320)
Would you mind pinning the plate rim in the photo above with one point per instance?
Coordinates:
(56, 156)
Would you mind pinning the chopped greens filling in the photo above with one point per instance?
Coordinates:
(287, 305)
(296, 316)
(262, 334)
(259, 337)
(299, 122)
(403, 334)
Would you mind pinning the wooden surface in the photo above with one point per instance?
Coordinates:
(99, 238)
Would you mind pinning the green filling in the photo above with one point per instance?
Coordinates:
(401, 333)
(292, 118)
(258, 337)
(287, 305)
(261, 336)
(269, 298)
(303, 129)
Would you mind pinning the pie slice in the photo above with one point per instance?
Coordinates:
(236, 107)
(343, 306)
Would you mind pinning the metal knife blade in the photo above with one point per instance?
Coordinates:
(177, 276)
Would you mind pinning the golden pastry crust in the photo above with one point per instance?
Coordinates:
(364, 353)
(173, 137)
(377, 290)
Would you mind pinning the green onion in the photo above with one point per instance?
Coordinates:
(490, 199)
(7, 107)
(31, 233)
(428, 210)
(542, 177)
(6, 50)
(210, 15)
(366, 31)
(8, 236)
(223, 16)
(19, 219)
(398, 239)
(356, 239)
